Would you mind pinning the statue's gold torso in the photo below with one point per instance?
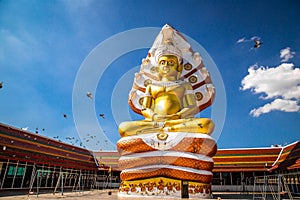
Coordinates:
(167, 99)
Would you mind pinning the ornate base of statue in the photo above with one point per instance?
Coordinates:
(161, 187)
(169, 153)
(158, 164)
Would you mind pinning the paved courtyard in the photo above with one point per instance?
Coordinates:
(104, 194)
(89, 195)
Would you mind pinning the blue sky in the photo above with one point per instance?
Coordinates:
(44, 45)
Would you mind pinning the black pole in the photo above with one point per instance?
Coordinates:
(185, 189)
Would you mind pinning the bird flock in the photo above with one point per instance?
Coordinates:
(71, 140)
(89, 137)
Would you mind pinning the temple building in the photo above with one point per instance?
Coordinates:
(31, 162)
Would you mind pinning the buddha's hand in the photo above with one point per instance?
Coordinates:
(173, 116)
(162, 118)
(158, 118)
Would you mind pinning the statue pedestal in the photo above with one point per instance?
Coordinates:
(161, 187)
(166, 164)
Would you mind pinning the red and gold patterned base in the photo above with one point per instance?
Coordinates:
(156, 166)
(160, 187)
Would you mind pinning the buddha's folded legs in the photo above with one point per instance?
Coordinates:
(134, 127)
(191, 125)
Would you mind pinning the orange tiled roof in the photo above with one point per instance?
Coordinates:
(17, 144)
(288, 157)
(251, 159)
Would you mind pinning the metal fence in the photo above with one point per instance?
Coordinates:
(34, 179)
(277, 186)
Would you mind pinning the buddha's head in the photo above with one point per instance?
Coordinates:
(169, 60)
(169, 66)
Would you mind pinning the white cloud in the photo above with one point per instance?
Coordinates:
(286, 54)
(281, 83)
(277, 104)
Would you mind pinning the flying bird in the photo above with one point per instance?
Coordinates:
(102, 115)
(1, 84)
(89, 95)
(65, 115)
(257, 43)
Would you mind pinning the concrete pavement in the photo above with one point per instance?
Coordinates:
(107, 194)
(89, 195)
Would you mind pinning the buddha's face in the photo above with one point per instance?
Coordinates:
(168, 65)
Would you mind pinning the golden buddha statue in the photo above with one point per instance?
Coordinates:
(170, 145)
(168, 105)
